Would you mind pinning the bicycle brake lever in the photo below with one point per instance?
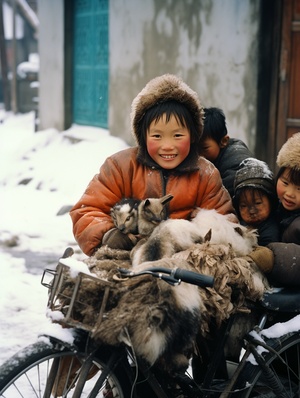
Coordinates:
(126, 272)
(169, 279)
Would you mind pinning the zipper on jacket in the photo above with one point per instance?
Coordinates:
(164, 178)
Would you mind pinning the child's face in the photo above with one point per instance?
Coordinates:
(288, 193)
(254, 206)
(168, 143)
(210, 148)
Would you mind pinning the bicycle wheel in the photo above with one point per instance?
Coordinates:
(285, 364)
(42, 370)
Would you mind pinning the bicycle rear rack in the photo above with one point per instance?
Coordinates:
(65, 296)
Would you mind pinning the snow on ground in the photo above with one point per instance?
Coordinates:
(40, 173)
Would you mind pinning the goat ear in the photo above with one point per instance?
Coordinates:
(207, 237)
(239, 231)
(146, 202)
(165, 199)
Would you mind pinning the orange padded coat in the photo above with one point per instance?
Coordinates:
(122, 175)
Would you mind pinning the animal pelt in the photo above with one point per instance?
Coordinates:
(236, 280)
(106, 260)
(158, 320)
(167, 238)
(223, 231)
(173, 236)
(104, 265)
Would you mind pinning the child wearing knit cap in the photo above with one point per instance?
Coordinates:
(286, 269)
(255, 199)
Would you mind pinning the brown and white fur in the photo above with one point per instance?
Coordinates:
(167, 238)
(125, 215)
(151, 212)
(158, 320)
(134, 216)
(172, 236)
(223, 231)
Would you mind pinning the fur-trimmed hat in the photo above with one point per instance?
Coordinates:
(161, 89)
(289, 154)
(254, 173)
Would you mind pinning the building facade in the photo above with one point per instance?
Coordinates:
(96, 55)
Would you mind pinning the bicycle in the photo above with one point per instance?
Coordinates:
(51, 367)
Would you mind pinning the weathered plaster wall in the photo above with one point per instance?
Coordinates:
(211, 44)
(51, 75)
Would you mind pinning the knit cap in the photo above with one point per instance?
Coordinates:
(289, 154)
(254, 173)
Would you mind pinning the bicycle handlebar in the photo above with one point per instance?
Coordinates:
(174, 276)
(193, 277)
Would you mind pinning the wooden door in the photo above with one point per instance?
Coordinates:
(288, 99)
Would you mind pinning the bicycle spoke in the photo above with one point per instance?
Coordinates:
(51, 373)
(283, 365)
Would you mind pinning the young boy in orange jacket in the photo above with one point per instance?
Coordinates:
(167, 123)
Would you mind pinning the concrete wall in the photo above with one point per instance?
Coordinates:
(51, 75)
(211, 44)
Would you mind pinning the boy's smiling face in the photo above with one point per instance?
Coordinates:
(168, 142)
(288, 193)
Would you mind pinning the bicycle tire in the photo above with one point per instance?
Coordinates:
(28, 374)
(288, 347)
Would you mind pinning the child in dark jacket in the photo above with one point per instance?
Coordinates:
(255, 199)
(286, 270)
(224, 152)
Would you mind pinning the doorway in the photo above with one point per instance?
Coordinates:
(90, 63)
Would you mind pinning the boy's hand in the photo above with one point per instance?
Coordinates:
(116, 240)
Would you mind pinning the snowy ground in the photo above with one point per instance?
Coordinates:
(40, 173)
